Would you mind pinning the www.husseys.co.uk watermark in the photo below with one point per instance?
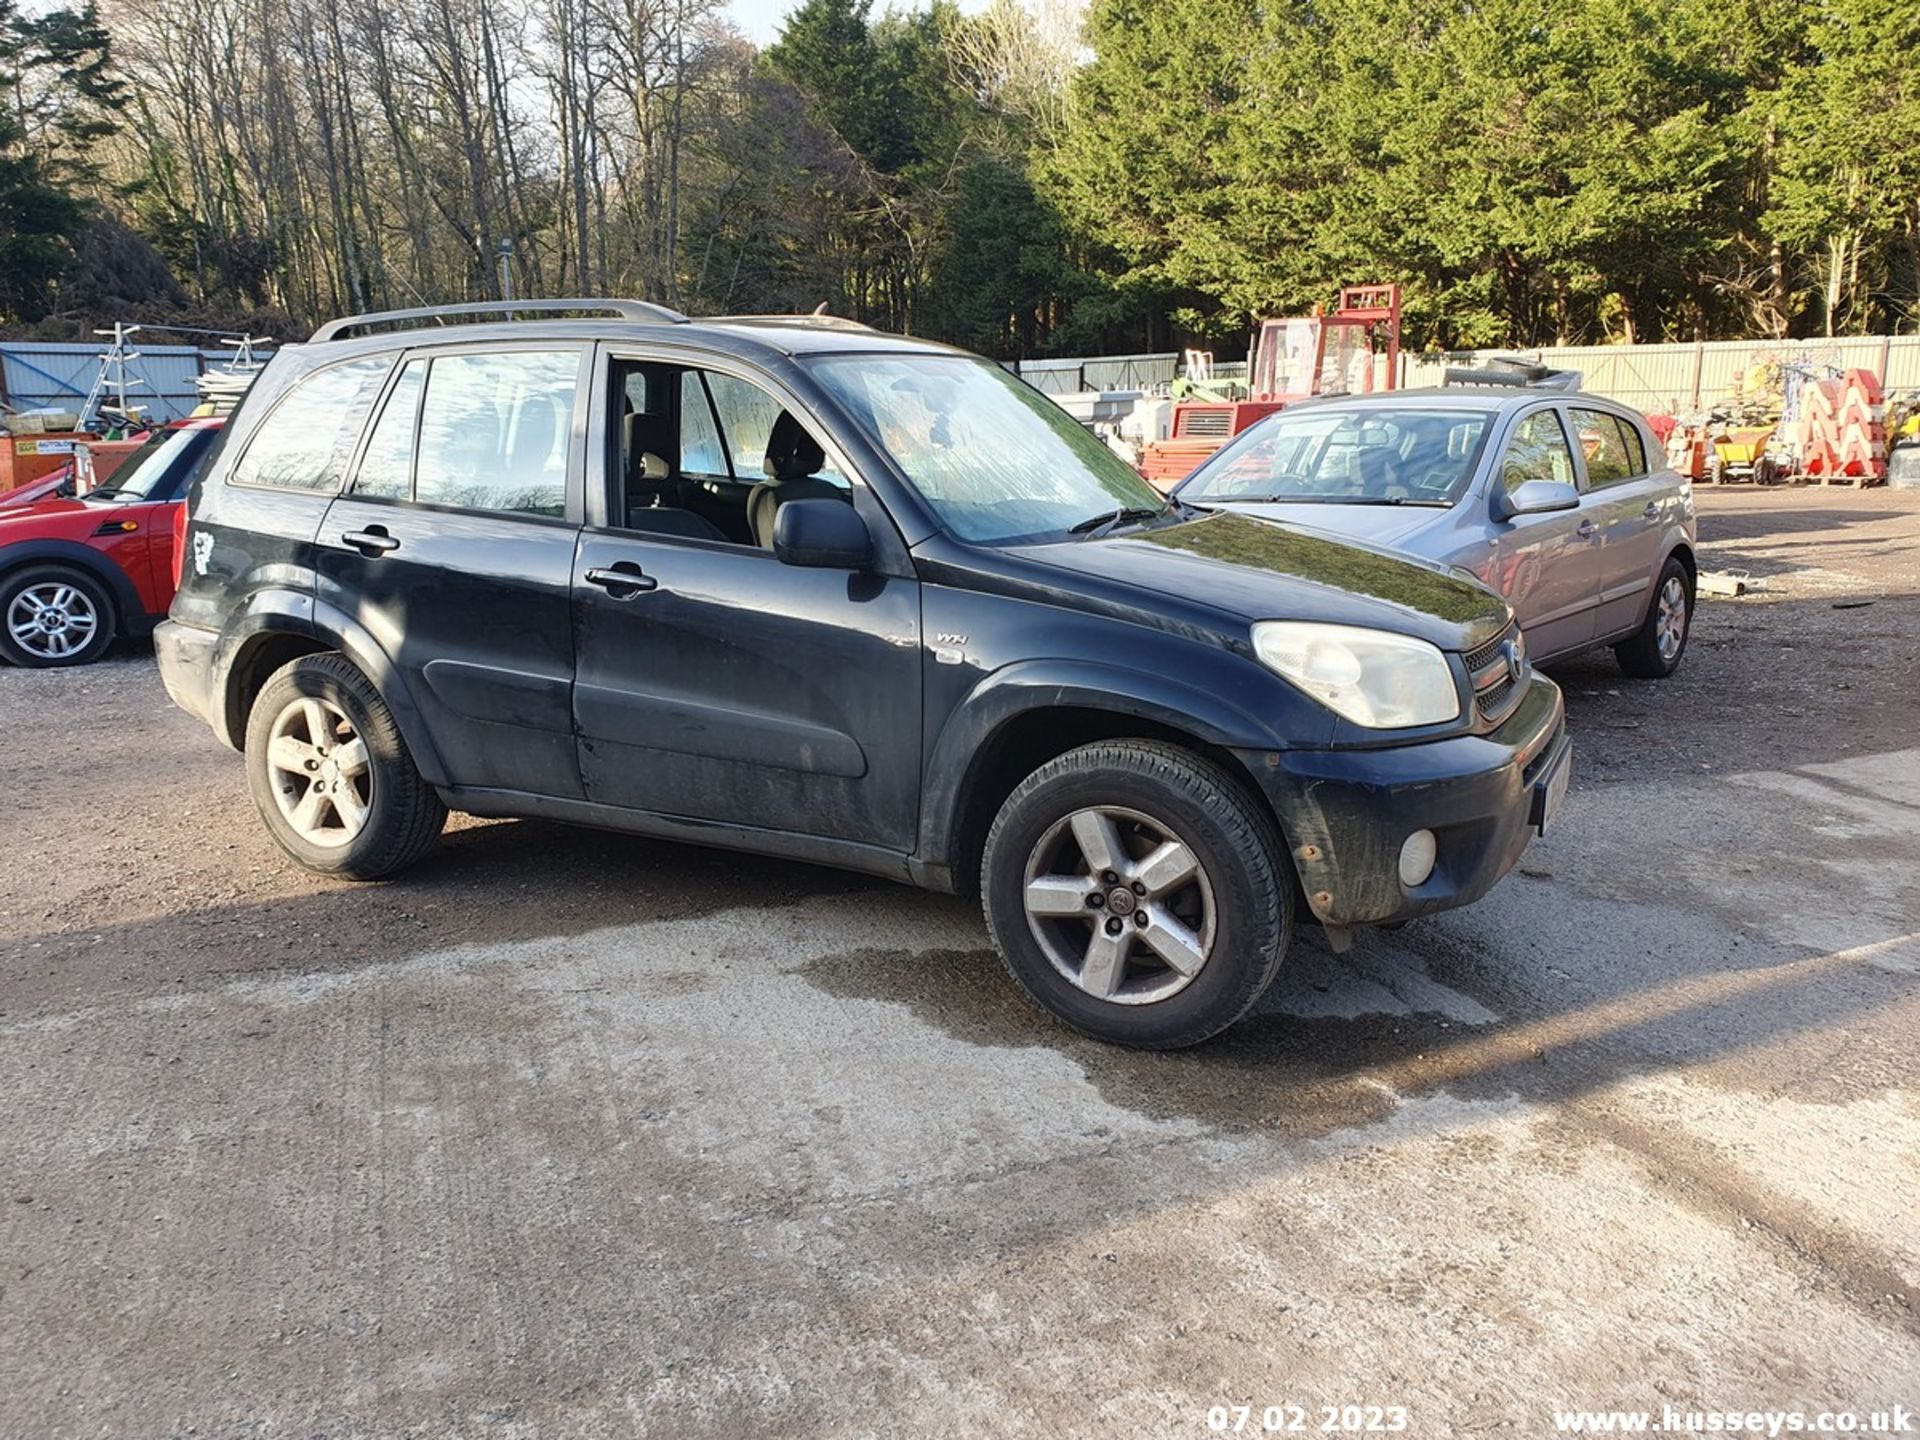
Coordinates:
(1677, 1420)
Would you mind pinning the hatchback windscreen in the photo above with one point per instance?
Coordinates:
(996, 460)
(1348, 455)
(154, 467)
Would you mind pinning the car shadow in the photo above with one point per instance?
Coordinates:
(1339, 1040)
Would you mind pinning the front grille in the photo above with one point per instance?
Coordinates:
(1496, 699)
(1478, 659)
(1496, 686)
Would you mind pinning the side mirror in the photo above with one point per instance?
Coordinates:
(828, 534)
(1536, 497)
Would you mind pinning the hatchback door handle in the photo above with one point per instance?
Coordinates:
(623, 581)
(371, 542)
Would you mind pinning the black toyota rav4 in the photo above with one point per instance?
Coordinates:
(794, 586)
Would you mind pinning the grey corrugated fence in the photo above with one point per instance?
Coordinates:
(35, 375)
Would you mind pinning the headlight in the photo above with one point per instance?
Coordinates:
(1372, 677)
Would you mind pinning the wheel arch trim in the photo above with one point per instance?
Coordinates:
(276, 613)
(127, 605)
(352, 639)
(970, 736)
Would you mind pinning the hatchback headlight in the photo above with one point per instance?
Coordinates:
(1372, 677)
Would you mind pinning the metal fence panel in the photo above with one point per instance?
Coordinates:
(1104, 372)
(35, 375)
(1685, 377)
(1670, 378)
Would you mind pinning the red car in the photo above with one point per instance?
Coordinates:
(47, 487)
(76, 573)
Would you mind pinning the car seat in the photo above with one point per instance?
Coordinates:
(793, 459)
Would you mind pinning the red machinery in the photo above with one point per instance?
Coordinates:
(1293, 359)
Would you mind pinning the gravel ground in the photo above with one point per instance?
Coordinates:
(570, 1134)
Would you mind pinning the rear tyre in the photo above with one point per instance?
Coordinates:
(1137, 894)
(1655, 649)
(53, 616)
(331, 775)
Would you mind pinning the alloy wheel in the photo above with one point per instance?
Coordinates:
(53, 620)
(1120, 904)
(320, 772)
(1670, 625)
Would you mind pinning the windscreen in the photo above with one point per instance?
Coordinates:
(157, 464)
(1348, 454)
(995, 459)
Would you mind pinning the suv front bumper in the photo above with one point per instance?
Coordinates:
(1346, 813)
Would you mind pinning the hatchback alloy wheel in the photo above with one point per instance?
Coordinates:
(53, 620)
(1654, 651)
(1671, 627)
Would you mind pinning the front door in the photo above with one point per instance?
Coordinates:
(1545, 564)
(714, 682)
(455, 553)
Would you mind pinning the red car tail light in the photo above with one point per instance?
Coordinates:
(179, 543)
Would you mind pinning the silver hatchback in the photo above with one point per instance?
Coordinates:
(1561, 502)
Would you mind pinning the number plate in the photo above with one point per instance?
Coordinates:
(1551, 788)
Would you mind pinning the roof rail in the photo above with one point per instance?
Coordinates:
(625, 309)
(825, 322)
(1511, 371)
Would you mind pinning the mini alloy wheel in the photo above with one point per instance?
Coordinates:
(319, 769)
(1120, 905)
(54, 621)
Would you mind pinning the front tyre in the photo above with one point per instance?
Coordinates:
(1654, 651)
(1137, 894)
(331, 775)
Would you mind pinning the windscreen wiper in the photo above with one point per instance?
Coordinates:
(1098, 525)
(1328, 500)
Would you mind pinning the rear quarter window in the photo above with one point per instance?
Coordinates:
(1611, 445)
(306, 440)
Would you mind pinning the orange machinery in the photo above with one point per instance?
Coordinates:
(1293, 359)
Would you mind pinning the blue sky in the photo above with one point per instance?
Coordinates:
(760, 19)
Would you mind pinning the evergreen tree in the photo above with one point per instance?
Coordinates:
(55, 95)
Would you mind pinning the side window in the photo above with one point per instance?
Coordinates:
(700, 452)
(747, 417)
(307, 439)
(747, 414)
(387, 466)
(1605, 447)
(496, 430)
(1538, 451)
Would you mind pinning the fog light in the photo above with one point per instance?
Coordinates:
(1417, 857)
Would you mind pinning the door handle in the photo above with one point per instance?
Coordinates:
(1586, 529)
(623, 581)
(371, 542)
(1652, 512)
